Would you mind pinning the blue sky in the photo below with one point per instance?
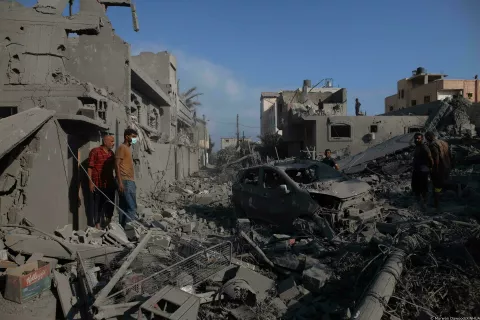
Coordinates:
(233, 50)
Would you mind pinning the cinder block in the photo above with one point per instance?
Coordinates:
(287, 289)
(315, 278)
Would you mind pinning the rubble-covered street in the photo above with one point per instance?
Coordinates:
(190, 252)
(114, 203)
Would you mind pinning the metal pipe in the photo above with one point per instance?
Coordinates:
(121, 271)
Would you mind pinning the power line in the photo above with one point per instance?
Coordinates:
(234, 124)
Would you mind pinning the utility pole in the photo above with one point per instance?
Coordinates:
(238, 131)
(243, 135)
(204, 141)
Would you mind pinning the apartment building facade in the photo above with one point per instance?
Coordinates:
(268, 113)
(423, 87)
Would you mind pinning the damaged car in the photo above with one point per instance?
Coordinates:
(280, 192)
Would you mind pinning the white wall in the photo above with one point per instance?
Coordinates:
(441, 95)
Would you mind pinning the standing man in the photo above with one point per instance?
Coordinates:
(127, 190)
(442, 164)
(357, 107)
(422, 163)
(320, 105)
(329, 161)
(101, 162)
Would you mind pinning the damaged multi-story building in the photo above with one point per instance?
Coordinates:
(64, 82)
(315, 119)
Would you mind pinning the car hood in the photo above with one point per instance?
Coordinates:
(338, 188)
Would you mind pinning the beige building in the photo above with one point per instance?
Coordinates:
(268, 113)
(231, 142)
(423, 87)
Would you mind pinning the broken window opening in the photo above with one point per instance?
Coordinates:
(72, 8)
(426, 99)
(340, 131)
(414, 103)
(102, 110)
(251, 177)
(391, 108)
(469, 95)
(72, 35)
(415, 129)
(272, 180)
(373, 128)
(6, 112)
(403, 93)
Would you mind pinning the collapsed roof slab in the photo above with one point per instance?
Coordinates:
(15, 129)
(358, 162)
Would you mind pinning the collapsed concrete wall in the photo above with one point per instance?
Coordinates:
(47, 192)
(78, 67)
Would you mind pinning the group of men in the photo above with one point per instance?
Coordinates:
(431, 159)
(102, 163)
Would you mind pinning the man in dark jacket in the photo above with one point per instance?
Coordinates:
(442, 164)
(422, 163)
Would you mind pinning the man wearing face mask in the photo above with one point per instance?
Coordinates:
(127, 190)
(422, 162)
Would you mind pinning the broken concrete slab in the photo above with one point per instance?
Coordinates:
(170, 197)
(315, 278)
(35, 257)
(287, 289)
(66, 296)
(287, 261)
(31, 244)
(20, 126)
(19, 259)
(65, 232)
(260, 284)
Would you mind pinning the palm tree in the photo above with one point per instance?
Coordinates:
(189, 97)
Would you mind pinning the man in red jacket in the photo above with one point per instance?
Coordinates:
(101, 165)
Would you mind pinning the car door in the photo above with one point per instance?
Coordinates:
(248, 190)
(278, 206)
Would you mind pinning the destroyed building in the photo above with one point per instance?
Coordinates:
(307, 127)
(201, 135)
(66, 80)
(367, 253)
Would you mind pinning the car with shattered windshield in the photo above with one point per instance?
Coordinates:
(280, 192)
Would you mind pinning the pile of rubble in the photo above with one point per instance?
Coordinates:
(189, 257)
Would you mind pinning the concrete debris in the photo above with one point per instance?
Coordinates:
(315, 277)
(340, 257)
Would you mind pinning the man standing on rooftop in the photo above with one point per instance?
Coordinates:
(357, 107)
(124, 169)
